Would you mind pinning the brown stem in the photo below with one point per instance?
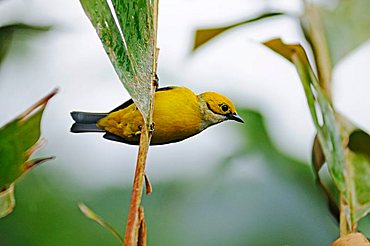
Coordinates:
(142, 228)
(137, 190)
(343, 224)
(135, 221)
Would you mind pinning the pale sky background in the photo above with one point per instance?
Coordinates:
(72, 58)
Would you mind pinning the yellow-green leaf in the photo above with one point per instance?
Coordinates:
(202, 36)
(93, 216)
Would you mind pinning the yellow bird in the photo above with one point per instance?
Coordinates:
(178, 114)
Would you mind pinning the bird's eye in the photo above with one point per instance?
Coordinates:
(225, 108)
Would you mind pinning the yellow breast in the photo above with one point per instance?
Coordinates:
(176, 117)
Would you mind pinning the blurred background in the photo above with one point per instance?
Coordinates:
(233, 184)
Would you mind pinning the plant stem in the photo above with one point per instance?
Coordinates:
(142, 228)
(137, 190)
(343, 225)
(135, 223)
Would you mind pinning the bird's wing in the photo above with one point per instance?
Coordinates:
(129, 102)
(122, 106)
(167, 88)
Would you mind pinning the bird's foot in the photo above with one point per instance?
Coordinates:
(155, 82)
(151, 128)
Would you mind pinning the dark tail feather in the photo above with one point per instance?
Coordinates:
(80, 127)
(87, 118)
(86, 122)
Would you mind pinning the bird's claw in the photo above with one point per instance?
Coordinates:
(155, 81)
(151, 128)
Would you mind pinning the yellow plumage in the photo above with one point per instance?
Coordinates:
(178, 114)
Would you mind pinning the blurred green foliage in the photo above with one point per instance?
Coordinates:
(348, 169)
(256, 196)
(7, 34)
(20, 137)
(331, 34)
(18, 140)
(345, 28)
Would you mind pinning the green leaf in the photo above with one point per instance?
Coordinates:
(360, 184)
(357, 168)
(322, 112)
(93, 216)
(359, 156)
(349, 166)
(202, 36)
(133, 52)
(7, 32)
(7, 201)
(345, 27)
(19, 139)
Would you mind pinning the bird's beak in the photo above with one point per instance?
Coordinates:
(235, 117)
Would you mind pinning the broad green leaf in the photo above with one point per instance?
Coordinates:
(6, 35)
(357, 167)
(348, 168)
(345, 27)
(93, 216)
(202, 36)
(321, 109)
(138, 27)
(322, 112)
(360, 184)
(19, 139)
(130, 45)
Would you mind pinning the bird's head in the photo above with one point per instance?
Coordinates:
(216, 108)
